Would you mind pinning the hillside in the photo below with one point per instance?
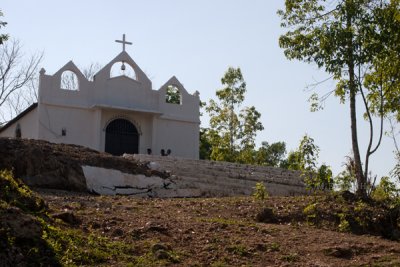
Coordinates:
(59, 165)
(224, 231)
(78, 229)
(49, 227)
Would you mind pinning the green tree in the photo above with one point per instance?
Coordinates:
(272, 154)
(309, 153)
(173, 96)
(393, 133)
(343, 37)
(292, 162)
(346, 180)
(386, 190)
(3, 37)
(305, 159)
(205, 143)
(236, 128)
(325, 178)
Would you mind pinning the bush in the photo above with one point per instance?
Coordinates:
(385, 191)
(260, 192)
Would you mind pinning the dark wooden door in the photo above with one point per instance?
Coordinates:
(121, 137)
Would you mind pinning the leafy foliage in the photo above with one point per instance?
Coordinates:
(260, 192)
(173, 96)
(205, 144)
(396, 170)
(272, 154)
(357, 42)
(232, 130)
(305, 160)
(386, 190)
(346, 180)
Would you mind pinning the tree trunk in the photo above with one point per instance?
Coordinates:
(361, 179)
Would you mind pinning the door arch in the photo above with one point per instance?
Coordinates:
(121, 137)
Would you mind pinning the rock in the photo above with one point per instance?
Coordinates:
(117, 232)
(161, 251)
(95, 225)
(266, 215)
(154, 166)
(151, 227)
(339, 252)
(161, 255)
(261, 247)
(67, 217)
(160, 246)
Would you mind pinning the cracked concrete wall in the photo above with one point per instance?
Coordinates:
(113, 182)
(193, 178)
(215, 178)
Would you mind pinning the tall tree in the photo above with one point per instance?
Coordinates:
(233, 130)
(342, 37)
(17, 74)
(272, 154)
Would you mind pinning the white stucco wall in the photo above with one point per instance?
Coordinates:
(181, 137)
(79, 125)
(28, 125)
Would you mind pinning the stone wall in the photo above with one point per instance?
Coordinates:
(211, 178)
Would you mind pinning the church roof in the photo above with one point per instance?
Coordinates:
(17, 118)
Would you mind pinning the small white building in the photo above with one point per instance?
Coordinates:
(118, 112)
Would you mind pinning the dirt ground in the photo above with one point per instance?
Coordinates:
(217, 232)
(80, 229)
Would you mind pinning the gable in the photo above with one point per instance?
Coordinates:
(105, 73)
(19, 117)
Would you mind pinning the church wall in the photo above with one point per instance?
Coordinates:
(181, 137)
(78, 124)
(142, 121)
(51, 92)
(187, 111)
(28, 125)
(85, 113)
(124, 92)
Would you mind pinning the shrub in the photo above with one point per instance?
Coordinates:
(260, 192)
(385, 191)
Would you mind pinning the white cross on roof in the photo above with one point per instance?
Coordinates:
(123, 42)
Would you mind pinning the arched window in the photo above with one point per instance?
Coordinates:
(173, 95)
(122, 68)
(69, 81)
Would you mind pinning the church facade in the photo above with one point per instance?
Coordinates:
(117, 112)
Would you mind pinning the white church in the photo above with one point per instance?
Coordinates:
(116, 112)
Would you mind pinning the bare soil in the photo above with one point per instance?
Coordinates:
(79, 229)
(220, 232)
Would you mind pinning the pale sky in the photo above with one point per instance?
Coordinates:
(197, 41)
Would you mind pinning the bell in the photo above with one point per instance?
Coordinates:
(123, 66)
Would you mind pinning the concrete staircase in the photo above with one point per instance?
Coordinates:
(212, 178)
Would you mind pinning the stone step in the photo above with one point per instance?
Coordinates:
(257, 178)
(171, 161)
(223, 178)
